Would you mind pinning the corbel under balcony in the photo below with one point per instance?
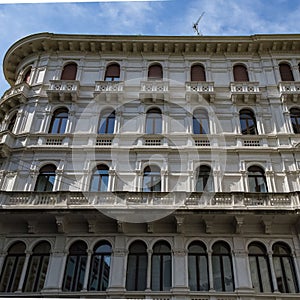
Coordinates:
(245, 91)
(14, 97)
(289, 90)
(199, 90)
(109, 90)
(63, 90)
(154, 90)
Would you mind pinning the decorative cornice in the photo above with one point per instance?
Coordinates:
(136, 44)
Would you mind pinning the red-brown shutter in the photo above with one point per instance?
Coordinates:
(198, 73)
(240, 73)
(155, 72)
(69, 72)
(113, 70)
(286, 72)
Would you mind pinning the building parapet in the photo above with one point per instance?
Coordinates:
(63, 90)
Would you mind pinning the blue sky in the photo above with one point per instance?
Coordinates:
(173, 17)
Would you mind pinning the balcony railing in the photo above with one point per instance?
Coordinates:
(144, 200)
(14, 97)
(155, 89)
(200, 89)
(289, 90)
(63, 90)
(245, 91)
(109, 89)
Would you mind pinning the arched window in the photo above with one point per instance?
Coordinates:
(286, 72)
(112, 72)
(100, 267)
(240, 73)
(257, 180)
(204, 179)
(46, 178)
(69, 72)
(295, 119)
(284, 269)
(151, 179)
(107, 123)
(200, 122)
(26, 77)
(99, 181)
(153, 121)
(12, 268)
(198, 73)
(155, 72)
(161, 272)
(222, 267)
(136, 278)
(12, 122)
(75, 267)
(198, 267)
(37, 268)
(59, 121)
(260, 268)
(248, 122)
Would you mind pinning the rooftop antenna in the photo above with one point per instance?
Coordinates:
(195, 25)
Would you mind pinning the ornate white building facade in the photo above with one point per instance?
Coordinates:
(154, 167)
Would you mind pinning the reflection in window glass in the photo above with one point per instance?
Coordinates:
(151, 179)
(107, 123)
(99, 181)
(46, 178)
(257, 180)
(154, 121)
(200, 122)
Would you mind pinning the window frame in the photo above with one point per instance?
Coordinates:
(100, 176)
(159, 73)
(105, 126)
(47, 173)
(108, 70)
(198, 266)
(71, 74)
(240, 73)
(100, 274)
(15, 271)
(204, 175)
(248, 116)
(295, 119)
(152, 172)
(59, 121)
(201, 122)
(198, 70)
(137, 272)
(286, 72)
(221, 256)
(43, 259)
(153, 124)
(80, 258)
(255, 177)
(161, 255)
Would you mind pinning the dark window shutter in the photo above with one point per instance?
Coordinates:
(155, 72)
(113, 70)
(27, 76)
(240, 73)
(286, 72)
(69, 72)
(198, 73)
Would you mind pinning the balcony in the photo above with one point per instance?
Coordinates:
(289, 90)
(154, 89)
(155, 200)
(198, 90)
(245, 91)
(109, 90)
(14, 97)
(63, 90)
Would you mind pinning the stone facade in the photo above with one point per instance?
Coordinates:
(151, 167)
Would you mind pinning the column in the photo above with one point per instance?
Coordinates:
(56, 267)
(179, 268)
(22, 278)
(148, 287)
(87, 270)
(270, 253)
(210, 271)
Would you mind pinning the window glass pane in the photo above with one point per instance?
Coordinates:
(228, 279)
(254, 273)
(31, 274)
(94, 277)
(261, 184)
(290, 278)
(41, 276)
(203, 273)
(142, 273)
(7, 273)
(192, 272)
(17, 273)
(279, 274)
(196, 126)
(166, 272)
(155, 276)
(110, 125)
(69, 275)
(81, 268)
(265, 274)
(105, 272)
(131, 273)
(217, 273)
